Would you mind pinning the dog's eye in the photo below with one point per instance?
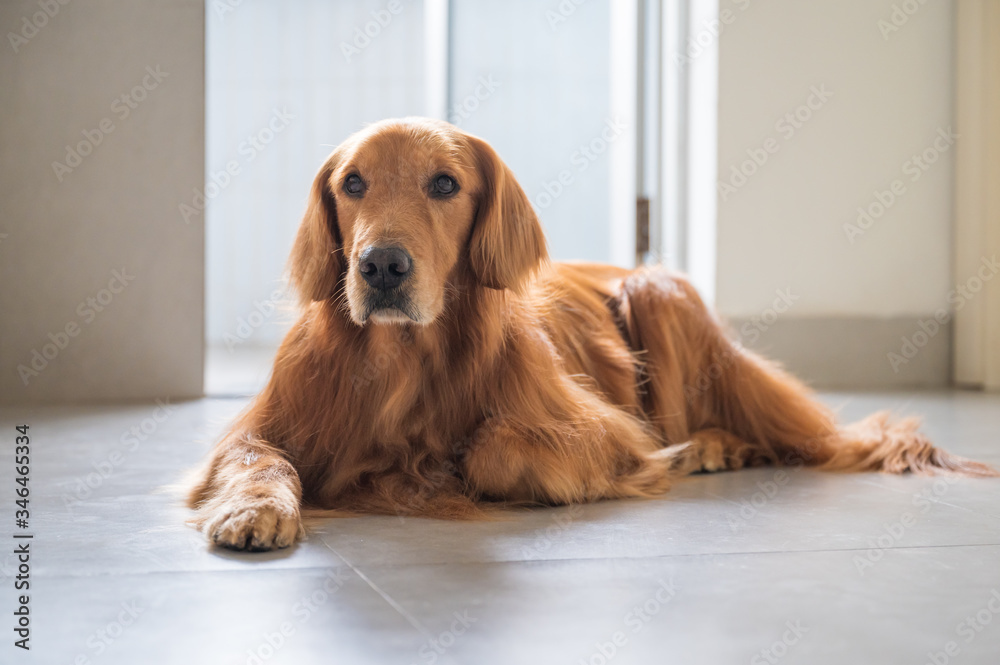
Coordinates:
(354, 185)
(443, 186)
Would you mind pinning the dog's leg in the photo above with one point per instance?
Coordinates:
(592, 452)
(514, 465)
(712, 450)
(697, 379)
(248, 496)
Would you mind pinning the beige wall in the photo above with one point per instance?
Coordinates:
(881, 89)
(785, 226)
(64, 235)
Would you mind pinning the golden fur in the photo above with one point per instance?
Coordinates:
(497, 375)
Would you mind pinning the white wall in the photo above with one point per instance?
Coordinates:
(529, 77)
(63, 235)
(784, 228)
(551, 99)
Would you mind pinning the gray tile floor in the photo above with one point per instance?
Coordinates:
(751, 567)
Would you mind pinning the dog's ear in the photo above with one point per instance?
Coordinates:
(507, 243)
(316, 262)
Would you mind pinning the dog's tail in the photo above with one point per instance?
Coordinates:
(877, 443)
(763, 404)
(696, 379)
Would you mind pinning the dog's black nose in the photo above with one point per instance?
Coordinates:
(385, 268)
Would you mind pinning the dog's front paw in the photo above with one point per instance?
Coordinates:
(255, 525)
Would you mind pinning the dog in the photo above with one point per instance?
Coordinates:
(442, 364)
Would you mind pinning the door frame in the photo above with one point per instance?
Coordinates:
(976, 352)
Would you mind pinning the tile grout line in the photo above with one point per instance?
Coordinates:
(385, 596)
(416, 624)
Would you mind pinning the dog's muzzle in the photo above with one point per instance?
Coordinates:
(385, 270)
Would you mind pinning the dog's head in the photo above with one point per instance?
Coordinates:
(404, 208)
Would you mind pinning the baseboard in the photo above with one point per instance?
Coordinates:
(854, 352)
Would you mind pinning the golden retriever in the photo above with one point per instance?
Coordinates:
(441, 361)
